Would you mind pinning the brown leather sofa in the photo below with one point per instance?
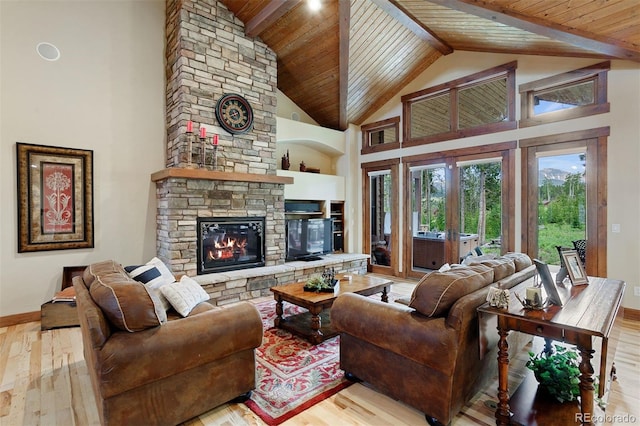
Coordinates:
(427, 354)
(148, 369)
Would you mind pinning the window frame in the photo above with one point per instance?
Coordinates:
(452, 88)
(392, 166)
(597, 72)
(594, 141)
(368, 129)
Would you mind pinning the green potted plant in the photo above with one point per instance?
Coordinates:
(323, 284)
(557, 373)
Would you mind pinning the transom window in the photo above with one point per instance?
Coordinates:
(381, 135)
(477, 104)
(574, 94)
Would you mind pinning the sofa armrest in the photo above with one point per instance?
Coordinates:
(95, 328)
(396, 328)
(128, 360)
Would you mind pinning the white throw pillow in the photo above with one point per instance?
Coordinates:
(184, 295)
(153, 274)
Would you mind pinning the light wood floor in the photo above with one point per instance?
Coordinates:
(44, 381)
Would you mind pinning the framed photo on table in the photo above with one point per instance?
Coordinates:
(575, 268)
(55, 198)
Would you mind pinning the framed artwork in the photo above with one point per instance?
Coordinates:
(55, 198)
(574, 266)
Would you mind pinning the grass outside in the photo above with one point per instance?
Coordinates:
(552, 235)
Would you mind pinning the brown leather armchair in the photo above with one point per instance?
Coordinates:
(148, 370)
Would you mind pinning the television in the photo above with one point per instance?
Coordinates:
(308, 238)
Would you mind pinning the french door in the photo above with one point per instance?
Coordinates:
(380, 208)
(564, 187)
(460, 203)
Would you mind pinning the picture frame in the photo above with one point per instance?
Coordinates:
(55, 198)
(575, 268)
(553, 296)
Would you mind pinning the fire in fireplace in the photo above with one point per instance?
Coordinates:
(227, 243)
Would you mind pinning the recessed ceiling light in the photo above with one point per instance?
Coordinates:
(48, 51)
(314, 5)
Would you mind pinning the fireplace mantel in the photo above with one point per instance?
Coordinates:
(181, 172)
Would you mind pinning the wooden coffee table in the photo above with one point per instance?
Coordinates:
(315, 325)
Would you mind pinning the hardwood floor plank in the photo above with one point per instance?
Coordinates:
(32, 413)
(47, 390)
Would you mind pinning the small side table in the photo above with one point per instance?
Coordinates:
(61, 313)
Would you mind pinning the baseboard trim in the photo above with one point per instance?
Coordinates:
(631, 314)
(19, 318)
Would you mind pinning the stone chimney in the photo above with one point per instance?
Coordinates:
(209, 55)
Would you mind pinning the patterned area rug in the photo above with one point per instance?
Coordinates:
(291, 373)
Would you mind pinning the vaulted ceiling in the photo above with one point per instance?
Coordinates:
(343, 62)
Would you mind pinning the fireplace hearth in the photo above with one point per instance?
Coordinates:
(229, 243)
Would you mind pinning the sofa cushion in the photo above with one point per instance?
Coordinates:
(438, 291)
(128, 304)
(521, 260)
(184, 295)
(502, 267)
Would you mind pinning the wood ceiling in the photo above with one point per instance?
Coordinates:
(344, 62)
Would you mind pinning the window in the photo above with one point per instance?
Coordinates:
(462, 200)
(566, 203)
(474, 105)
(574, 94)
(381, 135)
(380, 221)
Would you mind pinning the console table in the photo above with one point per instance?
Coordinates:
(589, 311)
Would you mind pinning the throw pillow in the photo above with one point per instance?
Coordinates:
(128, 304)
(152, 278)
(184, 295)
(438, 291)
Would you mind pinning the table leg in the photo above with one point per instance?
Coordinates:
(279, 312)
(385, 295)
(316, 323)
(586, 378)
(602, 384)
(503, 414)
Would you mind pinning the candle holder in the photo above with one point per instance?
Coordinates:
(203, 153)
(189, 150)
(215, 157)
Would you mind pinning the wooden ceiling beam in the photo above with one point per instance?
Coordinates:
(575, 37)
(344, 17)
(402, 15)
(268, 16)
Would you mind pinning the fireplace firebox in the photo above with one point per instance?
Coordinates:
(228, 243)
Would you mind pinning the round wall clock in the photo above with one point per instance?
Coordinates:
(234, 113)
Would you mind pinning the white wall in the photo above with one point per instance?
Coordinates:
(106, 94)
(623, 250)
